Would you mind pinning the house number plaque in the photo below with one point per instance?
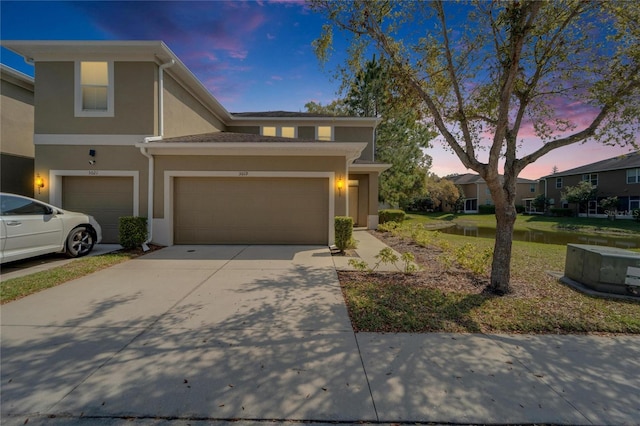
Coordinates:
(243, 173)
(93, 173)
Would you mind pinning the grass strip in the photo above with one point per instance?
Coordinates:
(20, 287)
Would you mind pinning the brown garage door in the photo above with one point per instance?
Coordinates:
(251, 210)
(105, 198)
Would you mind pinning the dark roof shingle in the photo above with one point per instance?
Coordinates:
(626, 161)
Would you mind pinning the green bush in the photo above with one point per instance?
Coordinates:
(487, 209)
(390, 215)
(344, 232)
(520, 209)
(561, 212)
(132, 231)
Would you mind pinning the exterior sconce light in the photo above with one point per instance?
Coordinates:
(92, 155)
(340, 185)
(39, 182)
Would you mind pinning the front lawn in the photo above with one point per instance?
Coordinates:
(445, 297)
(525, 222)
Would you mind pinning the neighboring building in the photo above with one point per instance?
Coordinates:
(615, 177)
(124, 128)
(476, 192)
(16, 132)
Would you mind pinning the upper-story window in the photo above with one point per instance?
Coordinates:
(284, 131)
(633, 175)
(558, 183)
(324, 133)
(94, 89)
(532, 187)
(591, 178)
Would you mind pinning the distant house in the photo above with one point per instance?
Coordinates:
(124, 128)
(16, 132)
(615, 177)
(476, 192)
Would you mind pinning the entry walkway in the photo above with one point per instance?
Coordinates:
(247, 334)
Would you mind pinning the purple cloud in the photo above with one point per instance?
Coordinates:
(221, 26)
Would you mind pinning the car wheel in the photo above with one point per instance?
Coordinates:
(79, 242)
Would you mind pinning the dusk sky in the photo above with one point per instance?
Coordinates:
(251, 55)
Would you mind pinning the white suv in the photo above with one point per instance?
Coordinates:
(31, 228)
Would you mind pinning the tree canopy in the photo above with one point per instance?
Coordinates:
(503, 82)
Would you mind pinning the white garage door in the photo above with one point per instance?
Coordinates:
(105, 198)
(251, 210)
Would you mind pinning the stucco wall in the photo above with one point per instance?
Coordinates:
(184, 114)
(16, 131)
(134, 101)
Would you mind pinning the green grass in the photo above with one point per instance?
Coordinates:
(17, 288)
(540, 304)
(524, 222)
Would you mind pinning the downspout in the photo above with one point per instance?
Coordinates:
(143, 151)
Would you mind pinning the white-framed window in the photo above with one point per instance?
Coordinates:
(591, 178)
(634, 203)
(283, 131)
(633, 175)
(558, 183)
(324, 133)
(94, 89)
(532, 187)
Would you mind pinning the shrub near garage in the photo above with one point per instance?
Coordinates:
(132, 231)
(343, 232)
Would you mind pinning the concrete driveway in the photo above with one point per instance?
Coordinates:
(188, 331)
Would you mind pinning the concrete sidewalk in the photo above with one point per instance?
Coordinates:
(243, 335)
(367, 247)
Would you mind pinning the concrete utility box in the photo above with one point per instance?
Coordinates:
(602, 268)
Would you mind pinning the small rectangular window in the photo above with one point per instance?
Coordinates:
(325, 133)
(288, 132)
(94, 89)
(591, 178)
(558, 183)
(633, 176)
(285, 132)
(532, 188)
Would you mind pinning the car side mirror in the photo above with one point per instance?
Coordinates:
(49, 210)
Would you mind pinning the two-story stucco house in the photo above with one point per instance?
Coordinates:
(614, 177)
(16, 132)
(125, 128)
(476, 192)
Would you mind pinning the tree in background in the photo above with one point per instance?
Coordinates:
(580, 195)
(444, 194)
(487, 73)
(400, 136)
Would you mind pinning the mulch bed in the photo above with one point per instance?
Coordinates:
(433, 273)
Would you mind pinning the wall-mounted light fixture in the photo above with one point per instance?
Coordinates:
(39, 182)
(92, 154)
(340, 185)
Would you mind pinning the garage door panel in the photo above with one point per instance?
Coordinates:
(251, 210)
(105, 198)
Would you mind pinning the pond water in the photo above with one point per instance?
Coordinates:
(546, 237)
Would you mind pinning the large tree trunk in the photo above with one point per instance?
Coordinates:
(501, 265)
(503, 194)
